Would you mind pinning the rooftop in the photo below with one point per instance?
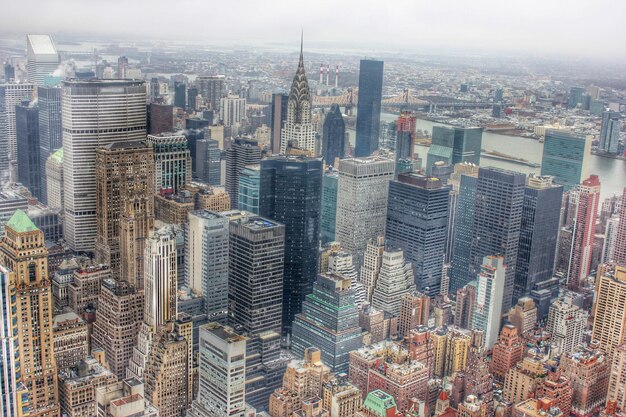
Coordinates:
(41, 44)
(21, 223)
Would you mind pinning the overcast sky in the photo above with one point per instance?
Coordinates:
(595, 28)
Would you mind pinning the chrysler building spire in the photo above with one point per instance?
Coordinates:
(298, 130)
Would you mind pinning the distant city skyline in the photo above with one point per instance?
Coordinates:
(576, 28)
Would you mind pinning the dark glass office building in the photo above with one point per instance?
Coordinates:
(454, 145)
(290, 193)
(208, 161)
(50, 132)
(330, 185)
(242, 152)
(27, 136)
(417, 223)
(497, 222)
(334, 136)
(368, 108)
(539, 234)
(564, 158)
(330, 322)
(463, 232)
(180, 94)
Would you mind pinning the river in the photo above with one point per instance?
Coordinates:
(612, 172)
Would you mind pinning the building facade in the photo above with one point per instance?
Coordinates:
(368, 108)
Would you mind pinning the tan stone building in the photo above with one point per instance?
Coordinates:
(340, 397)
(506, 353)
(71, 340)
(120, 311)
(84, 291)
(167, 375)
(124, 399)
(125, 206)
(451, 345)
(414, 310)
(77, 387)
(523, 315)
(522, 381)
(609, 310)
(23, 251)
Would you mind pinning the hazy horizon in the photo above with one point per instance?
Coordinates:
(545, 28)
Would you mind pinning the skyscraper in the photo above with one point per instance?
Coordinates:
(124, 206)
(565, 157)
(206, 260)
(368, 108)
(27, 136)
(334, 136)
(50, 133)
(298, 130)
(620, 237)
(249, 188)
(538, 234)
(280, 102)
(405, 141)
(330, 184)
(362, 203)
(242, 152)
(489, 299)
(372, 261)
(102, 112)
(23, 251)
(232, 110)
(609, 309)
(394, 281)
(417, 222)
(617, 379)
(43, 58)
(497, 222)
(54, 180)
(255, 291)
(172, 160)
(290, 193)
(566, 324)
(208, 161)
(609, 132)
(11, 94)
(329, 321)
(160, 278)
(587, 199)
(180, 95)
(160, 118)
(222, 376)
(211, 88)
(463, 233)
(454, 145)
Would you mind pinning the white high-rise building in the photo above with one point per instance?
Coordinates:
(43, 58)
(298, 130)
(395, 279)
(11, 94)
(222, 379)
(489, 293)
(372, 261)
(362, 202)
(206, 260)
(341, 263)
(160, 295)
(566, 324)
(54, 180)
(95, 113)
(232, 110)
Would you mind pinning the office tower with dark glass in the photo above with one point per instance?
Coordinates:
(208, 161)
(334, 136)
(11, 94)
(330, 184)
(565, 157)
(43, 58)
(463, 233)
(50, 133)
(101, 112)
(497, 222)
(330, 320)
(368, 108)
(290, 193)
(180, 95)
(160, 118)
(404, 150)
(250, 188)
(279, 116)
(417, 223)
(454, 145)
(27, 135)
(609, 132)
(538, 234)
(255, 292)
(242, 152)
